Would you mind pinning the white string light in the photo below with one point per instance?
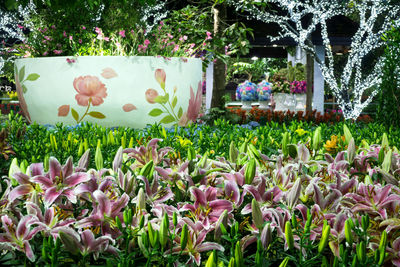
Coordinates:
(376, 18)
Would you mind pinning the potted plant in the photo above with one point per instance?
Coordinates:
(264, 91)
(247, 93)
(283, 83)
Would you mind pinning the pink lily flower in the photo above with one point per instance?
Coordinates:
(145, 154)
(207, 208)
(50, 221)
(104, 213)
(18, 236)
(60, 181)
(27, 186)
(156, 193)
(86, 243)
(195, 244)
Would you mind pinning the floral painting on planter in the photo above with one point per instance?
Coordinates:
(20, 79)
(90, 92)
(169, 109)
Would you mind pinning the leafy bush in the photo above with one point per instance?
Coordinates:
(388, 111)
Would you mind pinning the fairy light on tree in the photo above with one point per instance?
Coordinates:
(375, 18)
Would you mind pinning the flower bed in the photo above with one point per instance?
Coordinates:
(152, 207)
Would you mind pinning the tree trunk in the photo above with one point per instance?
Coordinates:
(219, 66)
(310, 81)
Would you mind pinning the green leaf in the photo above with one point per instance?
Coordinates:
(167, 119)
(24, 89)
(75, 115)
(97, 115)
(180, 112)
(162, 99)
(33, 77)
(174, 101)
(21, 74)
(155, 112)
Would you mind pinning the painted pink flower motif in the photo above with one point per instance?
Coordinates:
(183, 121)
(63, 110)
(160, 77)
(194, 103)
(151, 95)
(90, 89)
(109, 73)
(129, 107)
(21, 98)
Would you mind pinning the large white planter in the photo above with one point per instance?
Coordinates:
(284, 102)
(301, 102)
(110, 90)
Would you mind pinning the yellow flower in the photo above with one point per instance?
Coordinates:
(332, 145)
(301, 132)
(184, 141)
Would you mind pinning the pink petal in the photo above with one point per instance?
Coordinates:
(119, 204)
(128, 107)
(68, 168)
(36, 169)
(51, 195)
(206, 246)
(20, 190)
(23, 226)
(63, 111)
(76, 178)
(221, 204)
(109, 73)
(49, 215)
(28, 251)
(199, 196)
(104, 202)
(70, 194)
(22, 178)
(87, 238)
(43, 180)
(54, 168)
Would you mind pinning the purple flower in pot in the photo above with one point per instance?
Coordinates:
(246, 91)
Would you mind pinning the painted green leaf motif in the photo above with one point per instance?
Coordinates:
(96, 114)
(167, 119)
(155, 112)
(174, 101)
(21, 74)
(24, 89)
(162, 99)
(180, 112)
(75, 114)
(33, 77)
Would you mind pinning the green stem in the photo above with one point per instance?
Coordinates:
(86, 112)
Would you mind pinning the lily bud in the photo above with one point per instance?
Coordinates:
(289, 235)
(365, 222)
(351, 150)
(147, 170)
(266, 236)
(211, 260)
(164, 230)
(257, 214)
(284, 263)
(238, 255)
(151, 232)
(140, 202)
(347, 231)
(317, 139)
(184, 236)
(324, 238)
(233, 152)
(232, 262)
(285, 142)
(118, 223)
(361, 252)
(98, 157)
(145, 240)
(141, 222)
(175, 219)
(250, 171)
